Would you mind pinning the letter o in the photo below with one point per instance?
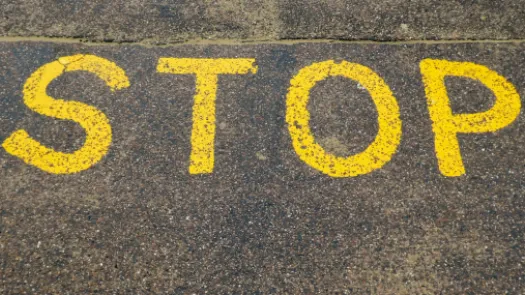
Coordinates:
(377, 154)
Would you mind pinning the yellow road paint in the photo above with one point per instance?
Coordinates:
(447, 125)
(202, 156)
(298, 118)
(94, 122)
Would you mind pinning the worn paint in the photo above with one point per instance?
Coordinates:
(377, 154)
(202, 156)
(446, 124)
(95, 123)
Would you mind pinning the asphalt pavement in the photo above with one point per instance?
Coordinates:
(100, 196)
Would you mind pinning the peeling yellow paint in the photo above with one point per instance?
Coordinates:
(94, 122)
(202, 156)
(298, 118)
(447, 125)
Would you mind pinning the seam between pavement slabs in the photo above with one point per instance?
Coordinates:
(145, 43)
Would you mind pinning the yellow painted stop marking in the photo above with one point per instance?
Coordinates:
(446, 124)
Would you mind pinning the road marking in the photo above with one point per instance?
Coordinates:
(447, 125)
(202, 156)
(94, 122)
(298, 119)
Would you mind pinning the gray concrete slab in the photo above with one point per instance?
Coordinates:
(402, 20)
(263, 222)
(174, 21)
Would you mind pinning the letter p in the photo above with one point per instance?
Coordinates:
(447, 125)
